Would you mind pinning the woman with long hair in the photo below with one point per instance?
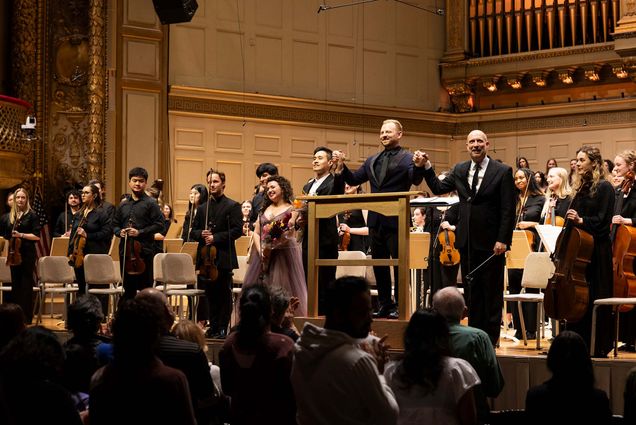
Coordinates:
(557, 196)
(592, 211)
(198, 196)
(354, 222)
(24, 229)
(569, 396)
(277, 257)
(522, 162)
(431, 386)
(246, 210)
(541, 180)
(256, 365)
(550, 163)
(92, 223)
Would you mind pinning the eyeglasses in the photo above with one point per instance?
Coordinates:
(87, 193)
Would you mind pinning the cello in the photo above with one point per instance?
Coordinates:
(623, 250)
(567, 294)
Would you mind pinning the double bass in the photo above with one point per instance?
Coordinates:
(623, 250)
(567, 294)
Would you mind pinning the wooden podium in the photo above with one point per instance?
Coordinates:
(388, 204)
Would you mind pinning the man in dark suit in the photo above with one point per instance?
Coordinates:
(392, 170)
(486, 220)
(219, 222)
(323, 184)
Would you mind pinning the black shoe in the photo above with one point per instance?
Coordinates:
(518, 334)
(531, 335)
(221, 334)
(383, 312)
(393, 315)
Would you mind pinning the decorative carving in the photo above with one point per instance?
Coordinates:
(461, 96)
(97, 87)
(24, 48)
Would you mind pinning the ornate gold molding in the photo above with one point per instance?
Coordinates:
(97, 88)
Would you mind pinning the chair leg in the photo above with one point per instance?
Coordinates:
(539, 324)
(593, 337)
(616, 315)
(523, 323)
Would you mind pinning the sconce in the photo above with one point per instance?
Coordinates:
(539, 79)
(491, 84)
(566, 76)
(619, 71)
(591, 73)
(514, 81)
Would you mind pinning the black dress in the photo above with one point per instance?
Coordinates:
(627, 328)
(22, 276)
(355, 219)
(597, 211)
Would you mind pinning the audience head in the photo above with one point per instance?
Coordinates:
(157, 300)
(187, 330)
(426, 342)
(256, 311)
(11, 322)
(449, 302)
(608, 165)
(84, 316)
(168, 213)
(569, 361)
(280, 304)
(348, 306)
(541, 180)
(101, 185)
(33, 355)
(137, 329)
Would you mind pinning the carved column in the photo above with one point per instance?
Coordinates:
(96, 90)
(23, 53)
(456, 30)
(625, 33)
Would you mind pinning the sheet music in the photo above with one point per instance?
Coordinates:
(435, 201)
(549, 235)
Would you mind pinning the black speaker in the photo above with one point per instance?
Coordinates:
(175, 11)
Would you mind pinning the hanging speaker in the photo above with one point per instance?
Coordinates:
(175, 11)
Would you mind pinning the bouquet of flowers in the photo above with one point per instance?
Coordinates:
(274, 235)
(301, 222)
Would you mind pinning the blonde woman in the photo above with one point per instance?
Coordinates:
(23, 232)
(557, 195)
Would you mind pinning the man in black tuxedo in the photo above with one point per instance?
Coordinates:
(486, 220)
(392, 170)
(323, 184)
(218, 222)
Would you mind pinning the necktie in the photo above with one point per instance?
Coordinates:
(384, 167)
(473, 187)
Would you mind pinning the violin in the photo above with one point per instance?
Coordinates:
(346, 236)
(133, 263)
(14, 256)
(623, 250)
(78, 242)
(567, 294)
(551, 218)
(207, 254)
(449, 255)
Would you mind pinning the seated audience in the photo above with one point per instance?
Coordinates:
(569, 396)
(11, 322)
(255, 365)
(472, 345)
(137, 387)
(431, 386)
(30, 381)
(283, 308)
(629, 410)
(335, 380)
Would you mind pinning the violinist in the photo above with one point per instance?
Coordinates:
(139, 217)
(592, 212)
(23, 232)
(557, 196)
(246, 209)
(218, 223)
(530, 200)
(110, 208)
(94, 225)
(419, 219)
(198, 196)
(354, 222)
(625, 168)
(5, 218)
(65, 219)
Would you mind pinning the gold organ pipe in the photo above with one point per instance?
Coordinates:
(550, 15)
(561, 10)
(490, 7)
(473, 26)
(509, 12)
(614, 14)
(604, 16)
(538, 19)
(583, 10)
(480, 13)
(572, 7)
(499, 21)
(594, 12)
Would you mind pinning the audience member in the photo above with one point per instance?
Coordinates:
(11, 322)
(30, 381)
(256, 364)
(431, 386)
(629, 410)
(472, 345)
(283, 308)
(137, 387)
(334, 379)
(569, 396)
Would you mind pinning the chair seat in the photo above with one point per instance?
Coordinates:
(170, 287)
(185, 292)
(615, 301)
(60, 290)
(5, 288)
(529, 298)
(106, 291)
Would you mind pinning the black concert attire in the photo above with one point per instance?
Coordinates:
(486, 216)
(327, 237)
(99, 231)
(438, 276)
(62, 226)
(391, 170)
(627, 328)
(23, 275)
(597, 211)
(146, 217)
(186, 230)
(257, 202)
(109, 208)
(4, 224)
(355, 219)
(531, 211)
(225, 222)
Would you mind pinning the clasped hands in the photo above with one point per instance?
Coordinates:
(420, 159)
(130, 231)
(208, 237)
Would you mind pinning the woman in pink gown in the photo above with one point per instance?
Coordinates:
(276, 257)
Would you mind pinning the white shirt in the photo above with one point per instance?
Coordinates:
(316, 185)
(482, 171)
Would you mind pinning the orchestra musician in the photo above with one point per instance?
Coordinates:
(530, 201)
(110, 208)
(65, 219)
(139, 217)
(246, 209)
(198, 197)
(592, 211)
(218, 224)
(625, 167)
(353, 222)
(95, 225)
(484, 231)
(263, 172)
(557, 196)
(23, 232)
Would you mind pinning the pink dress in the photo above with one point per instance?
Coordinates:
(280, 262)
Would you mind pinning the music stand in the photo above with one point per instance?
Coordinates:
(420, 244)
(549, 235)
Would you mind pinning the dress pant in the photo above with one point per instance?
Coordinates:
(217, 305)
(22, 283)
(384, 244)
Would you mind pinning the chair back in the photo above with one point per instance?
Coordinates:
(242, 244)
(157, 271)
(5, 271)
(99, 270)
(55, 270)
(113, 251)
(59, 246)
(178, 269)
(239, 274)
(175, 229)
(358, 271)
(190, 248)
(519, 250)
(172, 245)
(537, 270)
(4, 247)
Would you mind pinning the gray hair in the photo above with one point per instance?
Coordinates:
(449, 302)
